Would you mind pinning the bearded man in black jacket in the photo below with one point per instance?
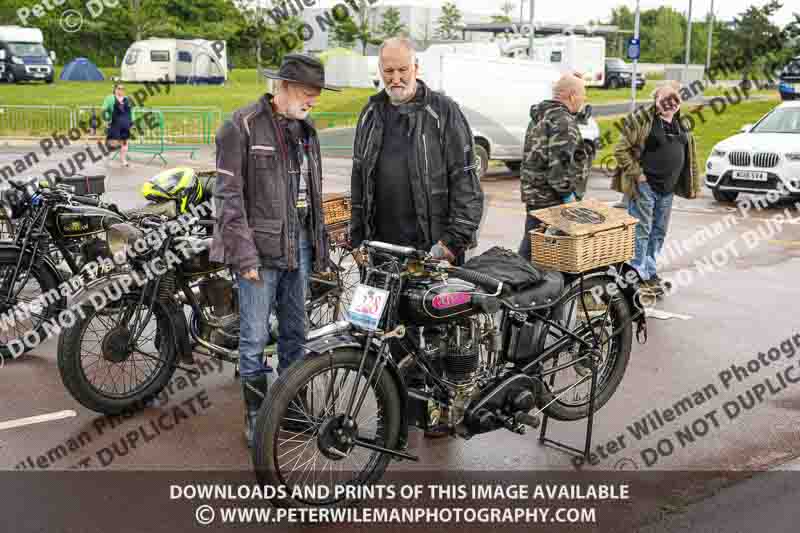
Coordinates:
(415, 176)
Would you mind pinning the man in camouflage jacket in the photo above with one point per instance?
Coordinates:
(553, 166)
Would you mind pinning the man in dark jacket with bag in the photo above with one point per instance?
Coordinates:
(270, 226)
(414, 180)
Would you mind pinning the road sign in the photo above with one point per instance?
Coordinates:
(633, 48)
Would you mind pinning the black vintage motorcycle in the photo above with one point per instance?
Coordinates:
(51, 227)
(116, 357)
(423, 338)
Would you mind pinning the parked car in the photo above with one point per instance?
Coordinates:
(759, 158)
(620, 74)
(790, 80)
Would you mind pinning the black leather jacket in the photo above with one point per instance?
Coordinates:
(443, 170)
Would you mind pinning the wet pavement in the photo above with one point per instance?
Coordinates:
(696, 396)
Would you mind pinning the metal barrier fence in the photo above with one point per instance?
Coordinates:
(35, 121)
(179, 128)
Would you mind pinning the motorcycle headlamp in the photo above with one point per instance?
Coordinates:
(124, 237)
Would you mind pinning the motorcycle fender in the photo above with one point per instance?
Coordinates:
(14, 251)
(99, 286)
(628, 282)
(322, 346)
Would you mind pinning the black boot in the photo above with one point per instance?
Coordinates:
(254, 389)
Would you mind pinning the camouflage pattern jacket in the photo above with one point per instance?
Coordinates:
(628, 153)
(553, 163)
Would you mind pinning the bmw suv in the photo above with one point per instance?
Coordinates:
(764, 157)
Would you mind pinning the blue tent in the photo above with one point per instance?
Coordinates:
(81, 69)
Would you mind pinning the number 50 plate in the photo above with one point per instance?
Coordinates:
(366, 308)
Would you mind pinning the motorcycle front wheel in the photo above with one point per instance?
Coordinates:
(104, 369)
(301, 437)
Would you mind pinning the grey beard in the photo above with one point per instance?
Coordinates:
(397, 100)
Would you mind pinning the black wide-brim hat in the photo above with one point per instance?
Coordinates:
(300, 68)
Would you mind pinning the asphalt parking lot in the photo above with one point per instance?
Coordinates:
(737, 298)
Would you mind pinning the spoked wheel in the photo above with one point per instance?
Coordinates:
(303, 438)
(604, 323)
(24, 313)
(330, 298)
(108, 370)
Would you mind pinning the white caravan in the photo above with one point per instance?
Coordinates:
(496, 95)
(568, 53)
(176, 61)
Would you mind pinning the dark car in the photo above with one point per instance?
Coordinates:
(620, 74)
(790, 80)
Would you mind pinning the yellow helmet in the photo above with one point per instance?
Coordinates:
(180, 185)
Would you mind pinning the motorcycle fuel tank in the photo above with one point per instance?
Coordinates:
(79, 221)
(429, 301)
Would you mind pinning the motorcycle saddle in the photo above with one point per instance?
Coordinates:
(543, 294)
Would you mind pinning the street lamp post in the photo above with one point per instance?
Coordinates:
(635, 61)
(710, 33)
(530, 42)
(688, 42)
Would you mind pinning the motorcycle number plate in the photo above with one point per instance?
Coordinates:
(367, 306)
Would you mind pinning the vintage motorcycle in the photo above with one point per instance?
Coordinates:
(424, 338)
(53, 236)
(119, 355)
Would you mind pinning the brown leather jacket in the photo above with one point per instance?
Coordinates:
(256, 226)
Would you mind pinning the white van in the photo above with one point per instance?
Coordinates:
(568, 53)
(496, 94)
(176, 61)
(23, 56)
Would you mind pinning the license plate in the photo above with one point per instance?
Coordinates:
(38, 75)
(366, 308)
(748, 175)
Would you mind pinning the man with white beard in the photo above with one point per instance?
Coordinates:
(414, 180)
(270, 227)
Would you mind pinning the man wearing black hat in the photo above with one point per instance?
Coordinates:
(270, 227)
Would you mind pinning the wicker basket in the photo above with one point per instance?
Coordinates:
(336, 207)
(595, 236)
(339, 233)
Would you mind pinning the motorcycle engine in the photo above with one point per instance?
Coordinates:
(94, 250)
(455, 348)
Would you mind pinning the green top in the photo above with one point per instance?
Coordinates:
(108, 107)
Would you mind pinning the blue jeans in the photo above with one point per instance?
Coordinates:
(286, 290)
(653, 210)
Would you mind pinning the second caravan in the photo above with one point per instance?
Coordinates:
(194, 61)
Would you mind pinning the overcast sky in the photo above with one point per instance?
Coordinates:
(581, 11)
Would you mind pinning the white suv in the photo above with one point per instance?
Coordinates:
(764, 157)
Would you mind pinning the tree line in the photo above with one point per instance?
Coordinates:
(250, 28)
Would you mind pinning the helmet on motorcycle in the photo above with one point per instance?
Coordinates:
(178, 184)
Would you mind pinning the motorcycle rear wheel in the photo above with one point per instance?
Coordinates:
(327, 382)
(614, 356)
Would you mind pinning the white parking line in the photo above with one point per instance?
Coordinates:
(50, 417)
(664, 315)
